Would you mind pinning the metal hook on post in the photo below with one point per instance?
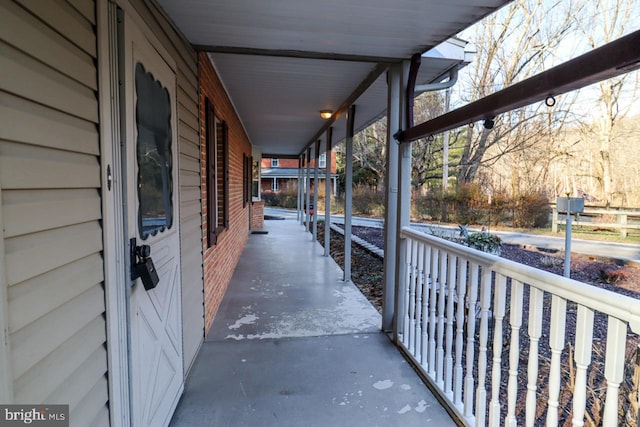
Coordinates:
(550, 101)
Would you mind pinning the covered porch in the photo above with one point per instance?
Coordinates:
(293, 344)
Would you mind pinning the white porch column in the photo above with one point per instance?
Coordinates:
(348, 193)
(327, 194)
(404, 206)
(316, 188)
(299, 190)
(394, 124)
(308, 190)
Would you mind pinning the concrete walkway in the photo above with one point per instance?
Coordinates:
(293, 345)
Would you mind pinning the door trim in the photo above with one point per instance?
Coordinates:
(115, 261)
(6, 375)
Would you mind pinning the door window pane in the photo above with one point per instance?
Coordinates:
(155, 183)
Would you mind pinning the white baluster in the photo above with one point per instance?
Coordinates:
(536, 297)
(556, 343)
(425, 305)
(471, 340)
(461, 284)
(432, 310)
(614, 368)
(515, 306)
(419, 285)
(485, 302)
(442, 289)
(450, 317)
(407, 281)
(499, 302)
(412, 297)
(582, 356)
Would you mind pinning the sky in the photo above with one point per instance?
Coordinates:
(595, 15)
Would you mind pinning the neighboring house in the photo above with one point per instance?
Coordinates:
(277, 174)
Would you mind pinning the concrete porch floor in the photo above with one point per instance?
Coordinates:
(293, 345)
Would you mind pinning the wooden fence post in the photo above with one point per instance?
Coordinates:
(622, 220)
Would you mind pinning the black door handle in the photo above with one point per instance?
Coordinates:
(142, 265)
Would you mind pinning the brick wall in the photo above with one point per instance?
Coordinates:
(257, 215)
(220, 260)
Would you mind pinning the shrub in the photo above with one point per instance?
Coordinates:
(485, 242)
(531, 209)
(612, 276)
(367, 201)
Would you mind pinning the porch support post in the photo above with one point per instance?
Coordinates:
(299, 190)
(327, 193)
(308, 190)
(403, 206)
(394, 124)
(316, 189)
(303, 186)
(348, 193)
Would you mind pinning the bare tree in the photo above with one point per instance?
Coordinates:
(513, 44)
(369, 153)
(602, 22)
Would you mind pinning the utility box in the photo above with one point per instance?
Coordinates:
(575, 203)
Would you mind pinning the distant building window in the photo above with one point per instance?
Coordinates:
(322, 163)
(275, 163)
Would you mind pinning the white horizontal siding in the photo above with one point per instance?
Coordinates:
(24, 166)
(67, 21)
(33, 254)
(29, 123)
(52, 379)
(52, 289)
(24, 31)
(30, 211)
(45, 85)
(36, 340)
(190, 149)
(51, 207)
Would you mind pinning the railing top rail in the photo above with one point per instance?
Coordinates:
(619, 306)
(606, 211)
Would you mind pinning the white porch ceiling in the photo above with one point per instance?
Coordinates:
(283, 61)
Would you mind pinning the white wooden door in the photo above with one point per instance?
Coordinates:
(152, 219)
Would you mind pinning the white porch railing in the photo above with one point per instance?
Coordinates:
(455, 300)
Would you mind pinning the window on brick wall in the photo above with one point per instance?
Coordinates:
(275, 163)
(246, 179)
(217, 175)
(322, 161)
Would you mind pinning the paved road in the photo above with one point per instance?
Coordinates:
(621, 251)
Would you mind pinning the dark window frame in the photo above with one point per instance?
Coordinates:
(217, 169)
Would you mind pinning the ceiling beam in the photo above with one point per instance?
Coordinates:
(610, 60)
(351, 99)
(299, 54)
